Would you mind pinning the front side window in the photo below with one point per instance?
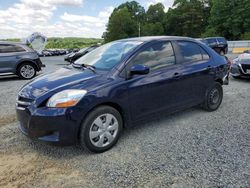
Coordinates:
(156, 56)
(107, 56)
(190, 51)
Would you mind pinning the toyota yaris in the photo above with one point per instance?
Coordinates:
(117, 85)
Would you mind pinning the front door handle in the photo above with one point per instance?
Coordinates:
(209, 67)
(176, 75)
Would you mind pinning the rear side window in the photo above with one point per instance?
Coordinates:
(156, 56)
(19, 49)
(190, 51)
(9, 48)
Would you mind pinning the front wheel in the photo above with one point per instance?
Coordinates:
(26, 71)
(101, 129)
(213, 98)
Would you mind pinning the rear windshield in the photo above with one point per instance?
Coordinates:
(221, 40)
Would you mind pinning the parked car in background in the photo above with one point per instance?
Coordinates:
(120, 84)
(76, 55)
(241, 66)
(219, 44)
(19, 59)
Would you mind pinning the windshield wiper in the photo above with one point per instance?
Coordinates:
(90, 67)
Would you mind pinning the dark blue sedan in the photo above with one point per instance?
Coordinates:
(118, 85)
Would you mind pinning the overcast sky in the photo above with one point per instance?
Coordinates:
(59, 18)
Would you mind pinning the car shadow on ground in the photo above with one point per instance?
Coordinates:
(9, 78)
(129, 133)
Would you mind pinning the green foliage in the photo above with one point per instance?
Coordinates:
(70, 42)
(121, 25)
(245, 36)
(210, 32)
(67, 43)
(193, 18)
(124, 20)
(155, 13)
(154, 21)
(187, 18)
(151, 29)
(230, 19)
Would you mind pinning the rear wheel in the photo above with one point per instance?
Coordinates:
(26, 71)
(213, 98)
(101, 129)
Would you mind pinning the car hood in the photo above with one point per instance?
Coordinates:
(62, 78)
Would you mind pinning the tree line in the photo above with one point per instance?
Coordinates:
(192, 18)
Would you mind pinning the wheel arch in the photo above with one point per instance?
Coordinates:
(26, 61)
(219, 80)
(111, 104)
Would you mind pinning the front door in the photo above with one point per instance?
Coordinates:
(160, 89)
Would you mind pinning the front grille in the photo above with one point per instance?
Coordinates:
(23, 102)
(245, 67)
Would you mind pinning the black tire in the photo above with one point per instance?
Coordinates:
(86, 142)
(28, 76)
(213, 98)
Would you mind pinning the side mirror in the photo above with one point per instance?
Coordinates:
(139, 69)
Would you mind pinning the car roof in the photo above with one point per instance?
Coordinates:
(152, 38)
(214, 38)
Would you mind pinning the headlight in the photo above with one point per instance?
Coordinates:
(66, 98)
(236, 61)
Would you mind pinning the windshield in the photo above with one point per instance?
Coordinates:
(107, 56)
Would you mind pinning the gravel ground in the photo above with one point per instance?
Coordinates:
(192, 148)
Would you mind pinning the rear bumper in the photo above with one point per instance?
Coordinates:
(55, 126)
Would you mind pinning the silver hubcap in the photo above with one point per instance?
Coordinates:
(27, 71)
(103, 130)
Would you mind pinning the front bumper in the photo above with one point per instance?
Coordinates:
(39, 64)
(52, 125)
(237, 71)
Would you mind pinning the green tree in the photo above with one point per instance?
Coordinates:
(121, 25)
(230, 19)
(153, 24)
(155, 13)
(151, 29)
(124, 21)
(187, 18)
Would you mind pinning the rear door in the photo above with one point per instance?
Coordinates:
(160, 89)
(196, 71)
